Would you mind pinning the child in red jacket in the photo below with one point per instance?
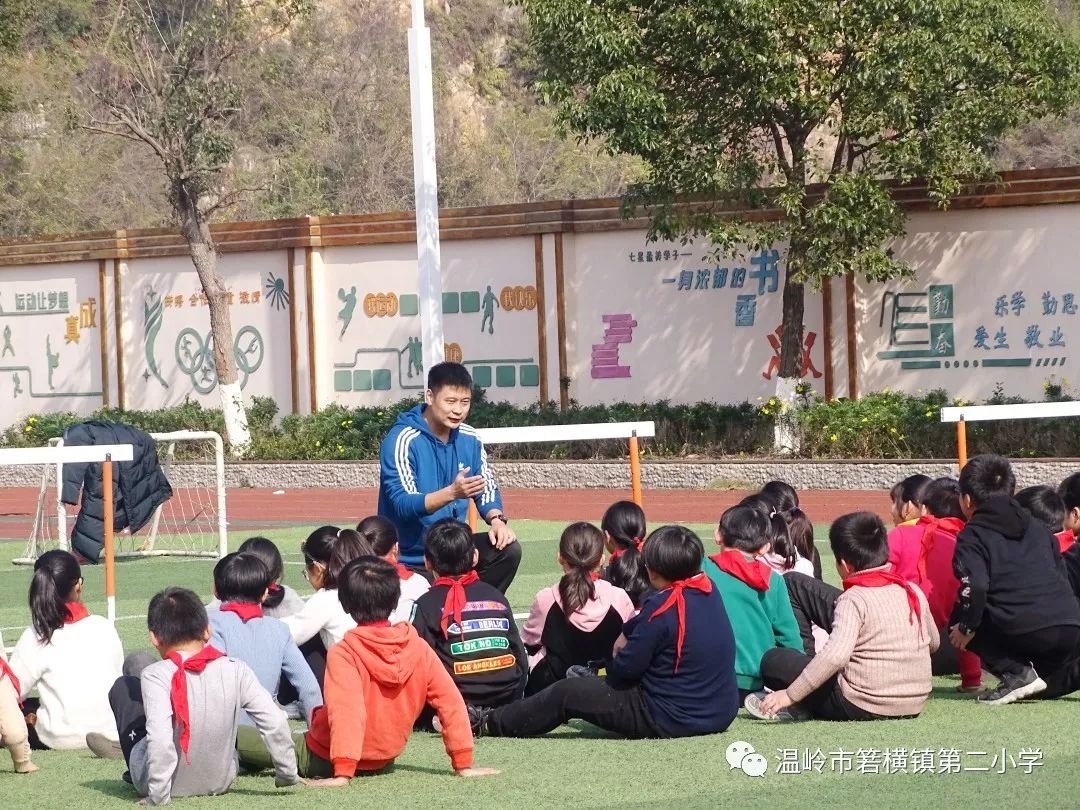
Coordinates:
(378, 680)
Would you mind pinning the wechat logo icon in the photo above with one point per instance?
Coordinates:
(741, 755)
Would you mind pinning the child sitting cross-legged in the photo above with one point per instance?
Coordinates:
(673, 673)
(239, 628)
(576, 622)
(378, 679)
(876, 663)
(382, 536)
(468, 622)
(281, 600)
(178, 720)
(755, 597)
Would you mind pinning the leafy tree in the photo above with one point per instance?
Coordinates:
(802, 108)
(171, 75)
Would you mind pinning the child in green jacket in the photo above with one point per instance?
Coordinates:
(755, 596)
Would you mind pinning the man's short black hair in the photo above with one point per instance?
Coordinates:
(241, 578)
(744, 528)
(177, 616)
(987, 476)
(674, 553)
(452, 375)
(1045, 505)
(368, 589)
(860, 540)
(448, 546)
(941, 497)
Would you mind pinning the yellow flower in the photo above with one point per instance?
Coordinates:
(32, 419)
(865, 419)
(929, 413)
(901, 436)
(892, 430)
(834, 438)
(318, 444)
(763, 410)
(28, 428)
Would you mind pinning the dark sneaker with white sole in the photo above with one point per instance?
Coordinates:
(792, 714)
(1013, 687)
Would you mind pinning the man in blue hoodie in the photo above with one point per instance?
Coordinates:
(431, 464)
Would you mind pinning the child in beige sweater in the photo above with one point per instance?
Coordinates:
(13, 732)
(876, 662)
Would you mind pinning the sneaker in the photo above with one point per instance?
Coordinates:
(103, 747)
(792, 714)
(1013, 687)
(478, 716)
(971, 688)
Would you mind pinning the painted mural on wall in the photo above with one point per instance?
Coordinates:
(994, 302)
(700, 329)
(489, 320)
(169, 351)
(50, 339)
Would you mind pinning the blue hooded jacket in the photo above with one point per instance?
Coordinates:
(413, 462)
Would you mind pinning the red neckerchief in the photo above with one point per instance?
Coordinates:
(273, 587)
(639, 544)
(594, 575)
(245, 610)
(6, 670)
(1065, 539)
(76, 612)
(949, 525)
(698, 582)
(403, 572)
(455, 598)
(178, 693)
(750, 572)
(879, 579)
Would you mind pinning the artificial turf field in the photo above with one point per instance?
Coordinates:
(963, 744)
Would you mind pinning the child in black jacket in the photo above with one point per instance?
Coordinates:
(1015, 609)
(469, 623)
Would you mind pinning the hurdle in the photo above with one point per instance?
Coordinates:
(961, 415)
(100, 453)
(631, 431)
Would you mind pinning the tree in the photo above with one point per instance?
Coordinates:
(171, 75)
(743, 104)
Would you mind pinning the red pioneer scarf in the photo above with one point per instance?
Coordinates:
(403, 572)
(455, 598)
(950, 525)
(76, 612)
(245, 610)
(698, 582)
(1065, 539)
(751, 572)
(879, 579)
(196, 663)
(6, 670)
(273, 587)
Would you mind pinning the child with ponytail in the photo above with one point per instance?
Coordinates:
(71, 657)
(577, 621)
(382, 536)
(281, 600)
(624, 530)
(322, 622)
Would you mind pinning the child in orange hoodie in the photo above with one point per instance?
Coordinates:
(378, 680)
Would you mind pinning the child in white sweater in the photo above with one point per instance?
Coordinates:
(70, 656)
(382, 536)
(281, 600)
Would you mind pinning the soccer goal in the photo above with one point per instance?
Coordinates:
(192, 523)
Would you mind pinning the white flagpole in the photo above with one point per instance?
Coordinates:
(427, 188)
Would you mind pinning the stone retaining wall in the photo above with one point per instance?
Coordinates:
(844, 475)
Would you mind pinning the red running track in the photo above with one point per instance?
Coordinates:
(251, 508)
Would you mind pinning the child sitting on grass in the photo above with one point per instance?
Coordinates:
(624, 531)
(378, 680)
(906, 497)
(876, 663)
(673, 674)
(906, 537)
(178, 720)
(1046, 506)
(1070, 497)
(1016, 610)
(382, 536)
(468, 622)
(14, 735)
(576, 622)
(755, 597)
(281, 600)
(241, 630)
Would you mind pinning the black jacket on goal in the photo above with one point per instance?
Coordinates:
(139, 485)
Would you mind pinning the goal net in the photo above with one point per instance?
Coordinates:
(191, 523)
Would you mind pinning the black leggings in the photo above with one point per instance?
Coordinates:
(780, 667)
(1047, 650)
(622, 711)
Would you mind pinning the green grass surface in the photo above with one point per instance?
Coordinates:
(578, 765)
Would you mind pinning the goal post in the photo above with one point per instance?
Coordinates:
(193, 522)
